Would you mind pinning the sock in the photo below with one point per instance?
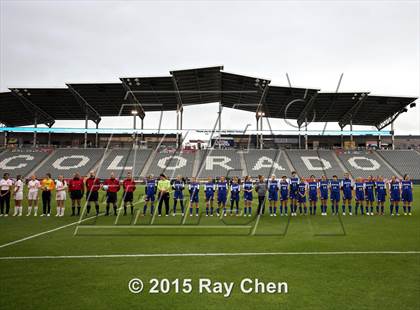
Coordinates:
(20, 210)
(78, 210)
(152, 209)
(191, 211)
(207, 210)
(409, 209)
(314, 210)
(371, 209)
(97, 208)
(224, 210)
(405, 209)
(343, 207)
(16, 210)
(305, 210)
(357, 207)
(271, 210)
(391, 208)
(115, 210)
(397, 207)
(88, 208)
(62, 211)
(196, 210)
(336, 209)
(175, 203)
(350, 208)
(182, 206)
(300, 209)
(332, 209)
(285, 209)
(73, 210)
(211, 210)
(144, 209)
(361, 209)
(29, 210)
(377, 209)
(131, 209)
(275, 210)
(281, 209)
(107, 210)
(35, 210)
(367, 209)
(249, 210)
(125, 209)
(382, 209)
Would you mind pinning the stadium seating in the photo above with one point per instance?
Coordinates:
(364, 163)
(68, 161)
(266, 162)
(316, 162)
(172, 164)
(404, 161)
(20, 162)
(217, 162)
(119, 161)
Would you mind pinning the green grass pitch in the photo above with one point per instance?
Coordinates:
(345, 281)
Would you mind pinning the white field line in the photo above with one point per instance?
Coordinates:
(211, 254)
(47, 232)
(165, 226)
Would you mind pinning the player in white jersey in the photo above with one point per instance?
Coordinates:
(18, 195)
(33, 189)
(60, 196)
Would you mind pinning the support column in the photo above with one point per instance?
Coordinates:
(134, 131)
(392, 136)
(35, 127)
(306, 133)
(220, 124)
(262, 134)
(257, 133)
(181, 117)
(5, 139)
(86, 127)
(177, 128)
(379, 140)
(342, 138)
(49, 138)
(97, 135)
(299, 138)
(351, 130)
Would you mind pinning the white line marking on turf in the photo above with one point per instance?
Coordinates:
(210, 254)
(165, 226)
(46, 232)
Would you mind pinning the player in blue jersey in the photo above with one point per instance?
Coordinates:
(248, 187)
(407, 193)
(150, 192)
(335, 185)
(323, 194)
(302, 190)
(359, 194)
(178, 186)
(222, 189)
(235, 190)
(347, 188)
(284, 195)
(369, 195)
(380, 188)
(394, 187)
(293, 192)
(273, 195)
(194, 189)
(209, 189)
(313, 188)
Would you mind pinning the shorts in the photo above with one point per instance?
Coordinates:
(293, 195)
(248, 196)
(407, 196)
(209, 197)
(128, 196)
(111, 197)
(60, 195)
(19, 196)
(234, 198)
(313, 197)
(194, 199)
(324, 195)
(395, 197)
(178, 195)
(360, 197)
(335, 196)
(33, 195)
(380, 197)
(221, 199)
(76, 195)
(301, 199)
(370, 196)
(149, 198)
(347, 195)
(273, 196)
(92, 196)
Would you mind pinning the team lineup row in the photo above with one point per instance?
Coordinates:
(293, 192)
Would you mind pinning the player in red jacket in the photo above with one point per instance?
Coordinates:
(111, 186)
(129, 186)
(92, 184)
(76, 188)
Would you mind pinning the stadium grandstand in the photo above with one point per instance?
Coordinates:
(27, 148)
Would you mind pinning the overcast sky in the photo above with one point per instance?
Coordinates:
(374, 43)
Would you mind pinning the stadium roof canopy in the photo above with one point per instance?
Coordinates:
(181, 88)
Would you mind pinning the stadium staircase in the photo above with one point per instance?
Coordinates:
(149, 162)
(340, 164)
(196, 163)
(382, 158)
(288, 161)
(40, 165)
(243, 163)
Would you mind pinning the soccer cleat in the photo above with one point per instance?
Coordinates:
(6, 215)
(371, 213)
(57, 215)
(344, 213)
(1, 215)
(167, 215)
(190, 214)
(42, 214)
(160, 215)
(196, 215)
(15, 214)
(48, 214)
(275, 214)
(249, 214)
(409, 213)
(405, 213)
(28, 214)
(211, 214)
(173, 214)
(350, 214)
(392, 214)
(207, 215)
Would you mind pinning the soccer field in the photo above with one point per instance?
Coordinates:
(333, 262)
